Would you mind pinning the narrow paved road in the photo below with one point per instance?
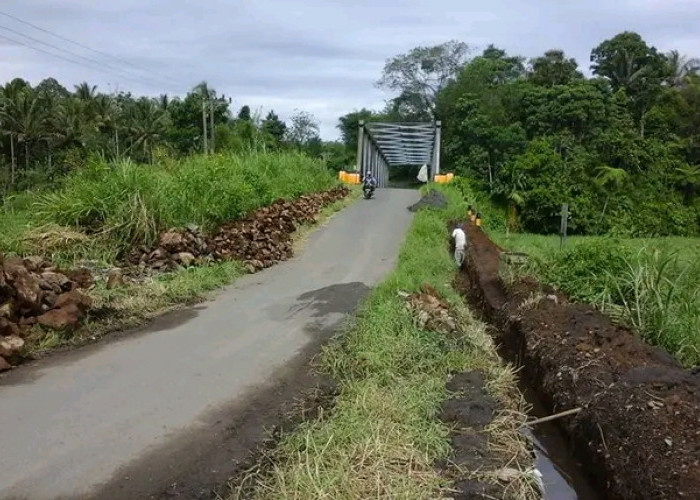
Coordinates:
(70, 424)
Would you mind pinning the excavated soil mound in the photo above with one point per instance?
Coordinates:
(31, 292)
(261, 239)
(433, 199)
(638, 428)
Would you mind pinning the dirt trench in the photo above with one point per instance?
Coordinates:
(637, 432)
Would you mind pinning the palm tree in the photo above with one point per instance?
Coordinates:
(689, 179)
(72, 123)
(611, 179)
(147, 124)
(85, 91)
(106, 114)
(679, 68)
(164, 102)
(511, 187)
(23, 115)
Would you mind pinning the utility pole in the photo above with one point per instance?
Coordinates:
(14, 159)
(205, 147)
(211, 128)
(564, 224)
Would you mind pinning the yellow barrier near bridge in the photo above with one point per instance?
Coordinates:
(349, 177)
(444, 179)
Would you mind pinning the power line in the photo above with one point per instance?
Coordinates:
(124, 73)
(78, 44)
(97, 68)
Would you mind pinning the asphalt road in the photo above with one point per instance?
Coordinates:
(73, 423)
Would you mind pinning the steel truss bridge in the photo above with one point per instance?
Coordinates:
(381, 145)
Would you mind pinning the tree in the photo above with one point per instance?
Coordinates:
(680, 68)
(349, 125)
(627, 61)
(274, 127)
(50, 88)
(630, 64)
(304, 127)
(85, 91)
(688, 177)
(553, 68)
(611, 179)
(147, 125)
(244, 113)
(72, 125)
(422, 73)
(24, 116)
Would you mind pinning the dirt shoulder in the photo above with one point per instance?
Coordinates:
(637, 429)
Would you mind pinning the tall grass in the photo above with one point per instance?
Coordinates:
(650, 284)
(133, 203)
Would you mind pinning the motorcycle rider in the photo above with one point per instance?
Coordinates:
(369, 183)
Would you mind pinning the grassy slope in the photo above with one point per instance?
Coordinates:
(383, 436)
(126, 204)
(650, 284)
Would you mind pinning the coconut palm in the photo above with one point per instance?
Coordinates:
(107, 115)
(689, 179)
(23, 115)
(679, 68)
(85, 91)
(147, 124)
(72, 123)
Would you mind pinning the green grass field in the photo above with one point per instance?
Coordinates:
(651, 284)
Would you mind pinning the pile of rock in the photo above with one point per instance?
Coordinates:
(33, 292)
(431, 312)
(260, 239)
(176, 248)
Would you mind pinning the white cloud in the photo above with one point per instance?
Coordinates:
(319, 55)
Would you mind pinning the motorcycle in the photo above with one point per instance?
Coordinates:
(367, 191)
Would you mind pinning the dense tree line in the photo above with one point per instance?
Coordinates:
(48, 130)
(622, 147)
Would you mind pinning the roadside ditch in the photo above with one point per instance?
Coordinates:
(634, 426)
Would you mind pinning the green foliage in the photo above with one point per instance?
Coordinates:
(650, 285)
(586, 272)
(49, 131)
(420, 75)
(554, 69)
(132, 203)
(621, 148)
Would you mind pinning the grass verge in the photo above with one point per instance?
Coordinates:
(383, 436)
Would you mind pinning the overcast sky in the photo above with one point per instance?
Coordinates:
(322, 56)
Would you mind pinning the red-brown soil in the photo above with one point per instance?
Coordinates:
(638, 430)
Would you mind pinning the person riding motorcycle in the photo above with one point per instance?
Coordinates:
(369, 183)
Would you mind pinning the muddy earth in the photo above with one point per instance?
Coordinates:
(638, 429)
